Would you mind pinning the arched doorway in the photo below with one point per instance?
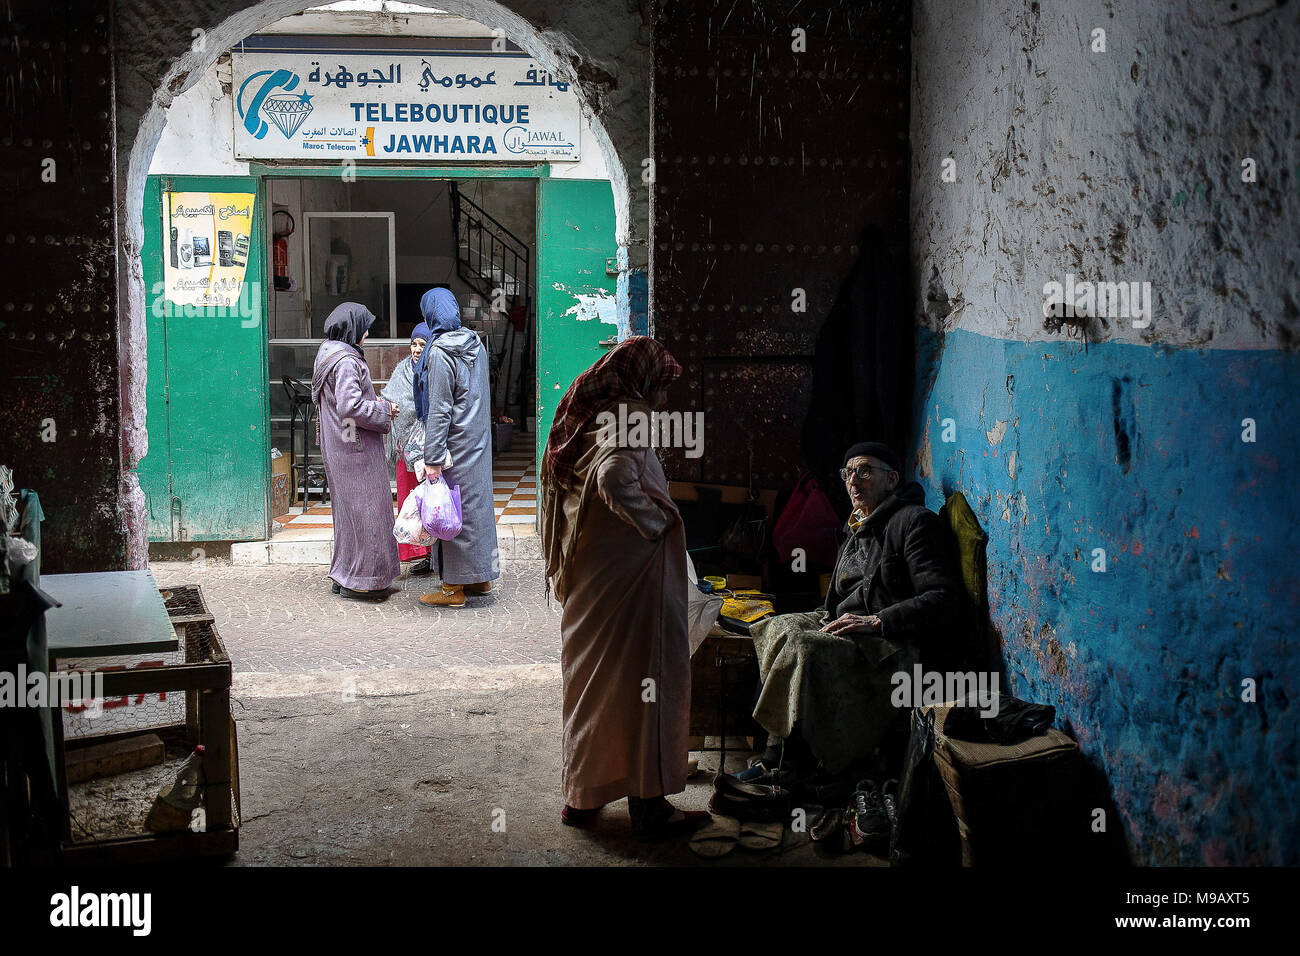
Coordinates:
(564, 300)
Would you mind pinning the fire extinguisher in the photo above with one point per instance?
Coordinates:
(283, 226)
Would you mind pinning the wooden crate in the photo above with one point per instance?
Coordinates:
(205, 677)
(1015, 804)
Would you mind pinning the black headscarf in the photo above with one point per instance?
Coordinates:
(348, 323)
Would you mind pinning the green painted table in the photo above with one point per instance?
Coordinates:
(106, 613)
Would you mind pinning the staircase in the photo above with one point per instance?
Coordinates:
(494, 262)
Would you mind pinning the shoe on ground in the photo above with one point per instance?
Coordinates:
(446, 596)
(334, 586)
(657, 819)
(755, 771)
(868, 822)
(572, 817)
(419, 568)
(483, 587)
(360, 595)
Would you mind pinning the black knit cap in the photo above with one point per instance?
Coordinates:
(876, 450)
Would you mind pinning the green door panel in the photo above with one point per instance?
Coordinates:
(206, 474)
(575, 298)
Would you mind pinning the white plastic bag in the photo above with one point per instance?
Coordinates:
(701, 609)
(408, 528)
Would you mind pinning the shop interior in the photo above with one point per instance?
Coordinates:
(384, 243)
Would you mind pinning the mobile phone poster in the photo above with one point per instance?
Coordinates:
(207, 237)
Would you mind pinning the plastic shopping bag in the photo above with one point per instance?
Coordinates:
(408, 528)
(439, 508)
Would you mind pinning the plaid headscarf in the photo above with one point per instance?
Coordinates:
(629, 372)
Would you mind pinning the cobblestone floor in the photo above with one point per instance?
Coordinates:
(283, 619)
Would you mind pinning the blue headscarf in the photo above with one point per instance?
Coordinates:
(421, 331)
(441, 314)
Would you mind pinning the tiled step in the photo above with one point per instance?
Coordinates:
(316, 546)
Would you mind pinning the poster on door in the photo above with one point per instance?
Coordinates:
(207, 238)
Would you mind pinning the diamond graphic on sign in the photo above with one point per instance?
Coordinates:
(287, 113)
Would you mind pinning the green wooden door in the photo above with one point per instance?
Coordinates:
(206, 474)
(575, 297)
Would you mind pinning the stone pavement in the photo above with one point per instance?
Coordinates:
(400, 734)
(283, 619)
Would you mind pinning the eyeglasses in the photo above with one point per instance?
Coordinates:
(863, 471)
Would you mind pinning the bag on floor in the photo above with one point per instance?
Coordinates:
(439, 508)
(408, 528)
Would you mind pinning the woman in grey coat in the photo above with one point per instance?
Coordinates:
(454, 400)
(353, 421)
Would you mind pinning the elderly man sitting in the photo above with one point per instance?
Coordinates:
(895, 599)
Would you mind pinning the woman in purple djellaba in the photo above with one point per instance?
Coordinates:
(353, 421)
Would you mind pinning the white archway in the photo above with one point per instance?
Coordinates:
(552, 50)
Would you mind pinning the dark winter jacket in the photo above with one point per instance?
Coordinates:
(900, 565)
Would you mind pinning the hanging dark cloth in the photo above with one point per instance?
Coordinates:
(863, 367)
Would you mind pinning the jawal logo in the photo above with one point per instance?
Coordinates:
(517, 139)
(286, 112)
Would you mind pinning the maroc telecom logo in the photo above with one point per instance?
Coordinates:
(286, 112)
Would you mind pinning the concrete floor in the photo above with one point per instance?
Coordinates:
(397, 734)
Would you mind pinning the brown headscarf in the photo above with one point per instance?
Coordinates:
(629, 372)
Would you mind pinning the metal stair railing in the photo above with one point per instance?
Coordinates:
(489, 257)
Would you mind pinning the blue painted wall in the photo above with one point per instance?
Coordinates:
(1139, 451)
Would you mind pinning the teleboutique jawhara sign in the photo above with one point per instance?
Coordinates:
(401, 106)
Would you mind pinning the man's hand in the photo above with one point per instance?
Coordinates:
(854, 624)
(432, 472)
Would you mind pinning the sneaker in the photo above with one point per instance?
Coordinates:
(447, 596)
(754, 772)
(889, 796)
(868, 823)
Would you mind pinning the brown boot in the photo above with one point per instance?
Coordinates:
(451, 595)
(483, 587)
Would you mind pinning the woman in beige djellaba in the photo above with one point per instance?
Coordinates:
(616, 559)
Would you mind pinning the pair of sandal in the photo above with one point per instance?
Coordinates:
(722, 834)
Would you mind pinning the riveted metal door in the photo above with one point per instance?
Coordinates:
(60, 402)
(575, 293)
(780, 133)
(206, 475)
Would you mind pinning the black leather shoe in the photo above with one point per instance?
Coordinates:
(749, 802)
(361, 595)
(419, 568)
(334, 586)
